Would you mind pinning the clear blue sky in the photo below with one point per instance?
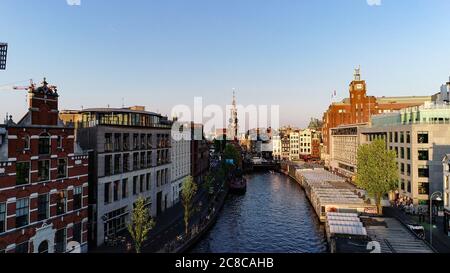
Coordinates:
(165, 52)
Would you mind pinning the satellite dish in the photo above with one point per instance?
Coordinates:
(73, 247)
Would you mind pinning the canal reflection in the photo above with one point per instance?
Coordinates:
(274, 216)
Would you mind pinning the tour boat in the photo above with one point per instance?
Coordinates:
(238, 185)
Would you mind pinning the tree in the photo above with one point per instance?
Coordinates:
(377, 170)
(188, 191)
(141, 224)
(230, 152)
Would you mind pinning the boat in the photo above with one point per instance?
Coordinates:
(238, 185)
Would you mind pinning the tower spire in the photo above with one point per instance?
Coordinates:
(357, 75)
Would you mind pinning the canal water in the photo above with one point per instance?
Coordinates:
(274, 216)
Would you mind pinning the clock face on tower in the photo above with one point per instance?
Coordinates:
(359, 86)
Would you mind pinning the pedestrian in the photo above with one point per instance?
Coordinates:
(129, 247)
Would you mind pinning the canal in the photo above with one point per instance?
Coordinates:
(274, 216)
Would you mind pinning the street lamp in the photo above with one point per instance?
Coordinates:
(438, 196)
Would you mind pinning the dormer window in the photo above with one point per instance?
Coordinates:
(44, 144)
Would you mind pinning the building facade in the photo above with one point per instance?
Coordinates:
(294, 145)
(199, 153)
(344, 144)
(130, 158)
(446, 193)
(43, 181)
(276, 142)
(181, 159)
(420, 138)
(359, 107)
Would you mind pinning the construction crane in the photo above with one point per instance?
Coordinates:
(23, 88)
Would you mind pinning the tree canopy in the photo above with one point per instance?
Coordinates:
(377, 170)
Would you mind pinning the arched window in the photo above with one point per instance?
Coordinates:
(43, 247)
(44, 144)
(26, 142)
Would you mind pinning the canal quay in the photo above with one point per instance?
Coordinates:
(305, 209)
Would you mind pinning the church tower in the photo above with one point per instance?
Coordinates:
(233, 122)
(358, 98)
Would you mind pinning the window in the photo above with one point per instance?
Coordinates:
(44, 144)
(423, 154)
(117, 166)
(408, 153)
(43, 170)
(424, 188)
(107, 193)
(143, 143)
(402, 184)
(22, 173)
(396, 137)
(149, 142)
(141, 183)
(409, 186)
(43, 207)
(402, 137)
(402, 168)
(22, 212)
(116, 190)
(422, 137)
(135, 142)
(423, 171)
(149, 159)
(26, 142)
(408, 169)
(59, 142)
(77, 232)
(402, 153)
(108, 163)
(126, 142)
(60, 241)
(61, 202)
(22, 247)
(2, 217)
(124, 188)
(142, 160)
(408, 137)
(62, 168)
(135, 181)
(396, 152)
(390, 137)
(126, 162)
(135, 161)
(77, 198)
(147, 182)
(108, 143)
(117, 142)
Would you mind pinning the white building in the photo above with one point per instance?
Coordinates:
(420, 138)
(181, 160)
(344, 143)
(294, 146)
(276, 146)
(305, 142)
(446, 186)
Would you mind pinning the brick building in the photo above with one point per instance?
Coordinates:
(359, 107)
(199, 153)
(43, 181)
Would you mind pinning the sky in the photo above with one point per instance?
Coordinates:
(161, 53)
